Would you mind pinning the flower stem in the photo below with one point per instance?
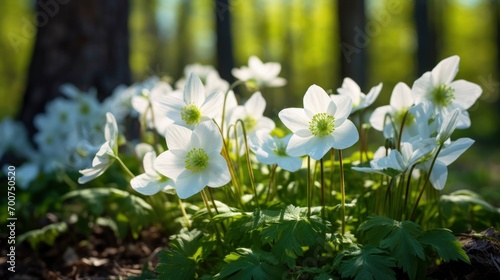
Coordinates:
(234, 180)
(332, 168)
(412, 216)
(308, 183)
(249, 164)
(407, 193)
(322, 179)
(188, 223)
(271, 181)
(124, 167)
(342, 191)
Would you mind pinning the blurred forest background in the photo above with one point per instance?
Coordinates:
(317, 42)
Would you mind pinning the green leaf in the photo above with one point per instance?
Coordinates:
(404, 246)
(251, 264)
(368, 263)
(127, 210)
(377, 228)
(175, 265)
(400, 238)
(47, 234)
(292, 232)
(187, 250)
(446, 245)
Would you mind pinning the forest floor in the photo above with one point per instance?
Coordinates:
(100, 256)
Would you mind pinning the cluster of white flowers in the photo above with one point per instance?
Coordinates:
(201, 118)
(68, 134)
(422, 119)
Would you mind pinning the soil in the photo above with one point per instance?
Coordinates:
(99, 256)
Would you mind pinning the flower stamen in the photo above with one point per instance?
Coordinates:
(196, 160)
(191, 114)
(442, 95)
(322, 124)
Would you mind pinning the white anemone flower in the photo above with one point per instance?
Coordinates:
(191, 107)
(263, 74)
(193, 160)
(446, 95)
(106, 155)
(399, 105)
(148, 108)
(151, 182)
(395, 163)
(359, 100)
(272, 150)
(252, 115)
(448, 154)
(321, 125)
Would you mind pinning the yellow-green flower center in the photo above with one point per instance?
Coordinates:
(196, 160)
(442, 95)
(322, 124)
(250, 123)
(191, 114)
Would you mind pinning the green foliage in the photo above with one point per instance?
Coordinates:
(464, 210)
(187, 250)
(407, 242)
(129, 211)
(47, 234)
(251, 264)
(293, 231)
(367, 262)
(444, 243)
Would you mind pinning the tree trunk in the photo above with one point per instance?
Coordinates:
(84, 43)
(426, 37)
(225, 59)
(353, 40)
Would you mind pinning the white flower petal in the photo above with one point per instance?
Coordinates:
(291, 164)
(209, 137)
(294, 119)
(218, 172)
(144, 185)
(345, 136)
(455, 149)
(344, 108)
(178, 137)
(188, 184)
(438, 177)
(256, 104)
(372, 95)
(148, 164)
(316, 100)
(297, 146)
(194, 92)
(90, 174)
(401, 97)
(445, 71)
(466, 93)
(317, 147)
(213, 104)
(169, 165)
(378, 118)
(111, 129)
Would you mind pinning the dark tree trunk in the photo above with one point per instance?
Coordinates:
(84, 43)
(427, 55)
(225, 59)
(353, 40)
